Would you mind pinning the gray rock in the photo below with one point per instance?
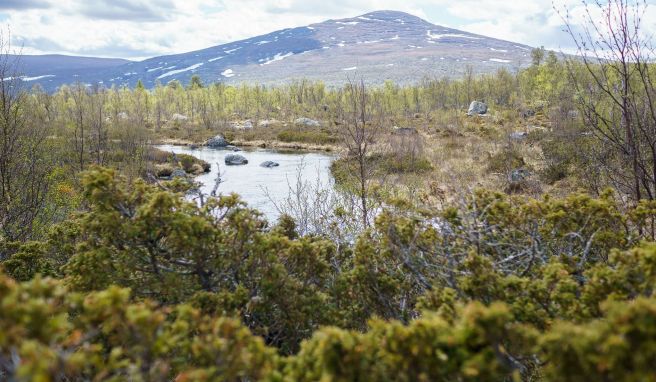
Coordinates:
(235, 160)
(535, 128)
(193, 146)
(527, 113)
(405, 130)
(307, 122)
(477, 108)
(178, 173)
(573, 114)
(245, 125)
(518, 175)
(217, 142)
(233, 148)
(269, 164)
(518, 135)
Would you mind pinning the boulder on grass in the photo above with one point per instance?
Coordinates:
(179, 117)
(217, 142)
(477, 108)
(178, 173)
(307, 122)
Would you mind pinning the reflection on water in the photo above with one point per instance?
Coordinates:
(251, 181)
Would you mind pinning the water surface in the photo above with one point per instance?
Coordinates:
(251, 181)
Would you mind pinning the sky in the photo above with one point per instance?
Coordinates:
(138, 29)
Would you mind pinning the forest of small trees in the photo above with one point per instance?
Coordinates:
(108, 273)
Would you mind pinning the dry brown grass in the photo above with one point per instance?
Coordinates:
(459, 148)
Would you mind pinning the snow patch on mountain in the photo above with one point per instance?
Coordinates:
(449, 35)
(499, 60)
(277, 57)
(174, 72)
(37, 77)
(228, 73)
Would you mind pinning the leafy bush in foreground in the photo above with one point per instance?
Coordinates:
(147, 286)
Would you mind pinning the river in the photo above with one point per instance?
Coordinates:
(253, 182)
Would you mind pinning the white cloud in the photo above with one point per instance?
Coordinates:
(145, 28)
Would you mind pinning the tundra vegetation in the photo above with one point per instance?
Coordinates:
(514, 245)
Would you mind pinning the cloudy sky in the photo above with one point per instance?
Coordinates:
(137, 29)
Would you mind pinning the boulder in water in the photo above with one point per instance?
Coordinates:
(235, 160)
(269, 164)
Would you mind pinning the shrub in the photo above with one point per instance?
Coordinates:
(505, 160)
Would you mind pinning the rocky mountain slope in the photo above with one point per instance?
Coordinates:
(376, 46)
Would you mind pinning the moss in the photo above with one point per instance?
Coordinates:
(382, 164)
(163, 170)
(166, 162)
(322, 137)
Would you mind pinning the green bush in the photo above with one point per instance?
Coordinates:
(505, 160)
(495, 288)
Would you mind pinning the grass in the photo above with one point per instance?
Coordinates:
(458, 153)
(165, 162)
(319, 137)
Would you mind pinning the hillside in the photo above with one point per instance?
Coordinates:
(376, 46)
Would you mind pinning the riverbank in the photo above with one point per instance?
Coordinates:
(268, 144)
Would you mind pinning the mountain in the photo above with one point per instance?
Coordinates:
(375, 46)
(54, 69)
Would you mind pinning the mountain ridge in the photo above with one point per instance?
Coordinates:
(377, 46)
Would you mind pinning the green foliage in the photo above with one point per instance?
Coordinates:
(620, 347)
(160, 245)
(428, 349)
(153, 287)
(48, 334)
